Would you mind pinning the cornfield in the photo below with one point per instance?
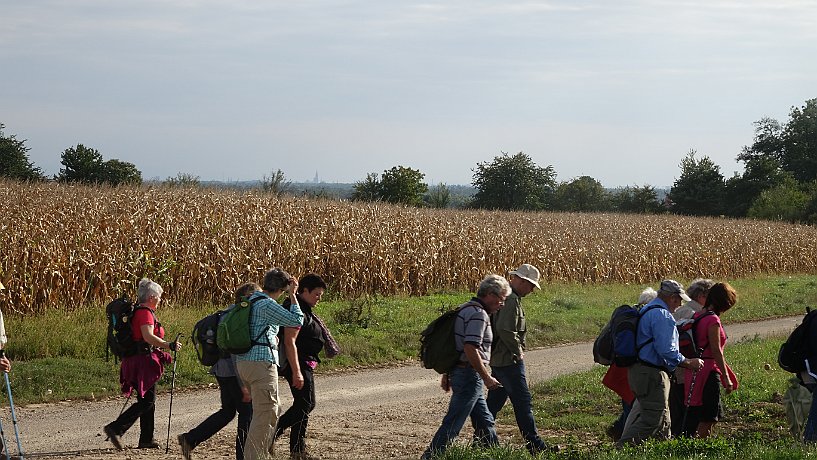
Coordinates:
(64, 246)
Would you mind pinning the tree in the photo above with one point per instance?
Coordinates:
(116, 172)
(800, 143)
(402, 185)
(740, 191)
(582, 194)
(636, 200)
(699, 190)
(14, 162)
(787, 202)
(81, 164)
(368, 189)
(439, 196)
(276, 183)
(182, 180)
(513, 183)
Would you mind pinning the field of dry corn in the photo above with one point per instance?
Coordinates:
(62, 246)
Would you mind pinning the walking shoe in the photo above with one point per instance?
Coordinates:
(113, 436)
(302, 456)
(152, 444)
(186, 449)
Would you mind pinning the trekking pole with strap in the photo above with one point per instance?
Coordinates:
(688, 401)
(13, 413)
(172, 387)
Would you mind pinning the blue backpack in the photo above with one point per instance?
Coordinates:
(616, 344)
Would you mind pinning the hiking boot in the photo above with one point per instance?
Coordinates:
(113, 436)
(186, 449)
(152, 444)
(614, 431)
(302, 456)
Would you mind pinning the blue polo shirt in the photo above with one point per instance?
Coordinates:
(658, 324)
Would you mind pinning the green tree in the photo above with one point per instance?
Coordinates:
(276, 183)
(741, 190)
(513, 183)
(368, 189)
(116, 172)
(582, 194)
(182, 180)
(787, 202)
(636, 200)
(799, 156)
(81, 164)
(14, 162)
(699, 191)
(402, 185)
(439, 196)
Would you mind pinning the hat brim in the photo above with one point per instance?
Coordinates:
(685, 297)
(527, 279)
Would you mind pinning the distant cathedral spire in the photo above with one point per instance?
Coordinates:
(316, 179)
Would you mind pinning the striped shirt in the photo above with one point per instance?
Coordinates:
(267, 315)
(473, 325)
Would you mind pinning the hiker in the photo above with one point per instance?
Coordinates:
(5, 365)
(258, 368)
(809, 379)
(697, 291)
(616, 379)
(705, 403)
(140, 372)
(473, 337)
(235, 398)
(658, 356)
(507, 358)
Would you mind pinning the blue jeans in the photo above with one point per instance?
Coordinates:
(467, 399)
(810, 432)
(515, 386)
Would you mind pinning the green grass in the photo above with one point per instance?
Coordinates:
(371, 330)
(574, 410)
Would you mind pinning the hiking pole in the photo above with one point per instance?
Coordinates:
(13, 414)
(688, 401)
(172, 387)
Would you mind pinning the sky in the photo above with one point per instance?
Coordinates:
(234, 90)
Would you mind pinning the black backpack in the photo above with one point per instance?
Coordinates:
(120, 340)
(204, 339)
(794, 351)
(438, 348)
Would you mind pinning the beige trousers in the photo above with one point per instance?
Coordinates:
(261, 378)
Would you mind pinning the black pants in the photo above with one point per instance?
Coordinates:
(231, 403)
(678, 410)
(143, 409)
(297, 416)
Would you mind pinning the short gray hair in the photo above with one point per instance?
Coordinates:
(494, 284)
(699, 286)
(647, 296)
(147, 289)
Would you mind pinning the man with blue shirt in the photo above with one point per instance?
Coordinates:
(658, 356)
(258, 368)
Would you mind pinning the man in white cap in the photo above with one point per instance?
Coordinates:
(507, 357)
(658, 356)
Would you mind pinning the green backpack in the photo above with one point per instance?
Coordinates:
(438, 350)
(233, 334)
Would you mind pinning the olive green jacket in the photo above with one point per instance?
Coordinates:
(509, 330)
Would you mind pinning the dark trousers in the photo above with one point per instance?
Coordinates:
(231, 403)
(143, 409)
(515, 387)
(297, 416)
(679, 411)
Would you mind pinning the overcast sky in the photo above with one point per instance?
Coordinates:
(232, 90)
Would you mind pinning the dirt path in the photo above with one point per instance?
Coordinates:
(378, 413)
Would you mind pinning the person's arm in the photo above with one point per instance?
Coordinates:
(713, 334)
(472, 353)
(149, 337)
(290, 334)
